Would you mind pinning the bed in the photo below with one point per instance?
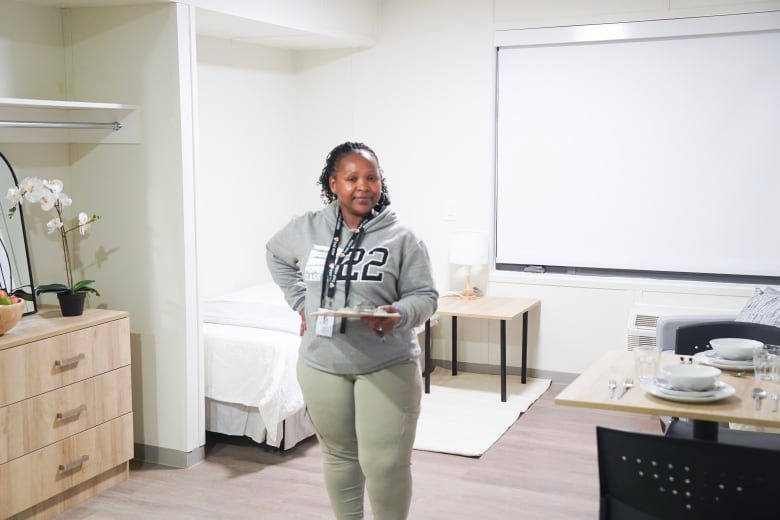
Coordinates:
(251, 340)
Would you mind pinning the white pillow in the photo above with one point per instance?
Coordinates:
(762, 307)
(259, 306)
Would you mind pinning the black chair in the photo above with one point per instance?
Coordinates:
(692, 339)
(644, 477)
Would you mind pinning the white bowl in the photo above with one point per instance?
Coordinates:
(691, 377)
(735, 348)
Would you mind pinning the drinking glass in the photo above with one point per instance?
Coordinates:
(765, 358)
(646, 360)
(776, 366)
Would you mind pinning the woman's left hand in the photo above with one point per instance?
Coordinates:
(383, 326)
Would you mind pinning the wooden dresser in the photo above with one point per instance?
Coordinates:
(66, 422)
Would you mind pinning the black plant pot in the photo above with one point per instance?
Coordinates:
(72, 304)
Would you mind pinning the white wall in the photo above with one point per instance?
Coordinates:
(248, 158)
(31, 34)
(423, 97)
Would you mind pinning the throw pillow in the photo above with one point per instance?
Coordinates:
(762, 307)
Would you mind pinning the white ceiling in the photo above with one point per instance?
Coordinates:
(220, 25)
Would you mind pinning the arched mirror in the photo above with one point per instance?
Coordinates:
(15, 272)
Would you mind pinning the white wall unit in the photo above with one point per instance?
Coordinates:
(293, 24)
(131, 54)
(19, 110)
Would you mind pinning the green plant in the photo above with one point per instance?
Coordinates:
(50, 196)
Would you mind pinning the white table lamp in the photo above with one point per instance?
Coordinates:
(468, 249)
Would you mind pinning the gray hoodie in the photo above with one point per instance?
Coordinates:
(392, 267)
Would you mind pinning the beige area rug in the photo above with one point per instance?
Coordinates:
(464, 415)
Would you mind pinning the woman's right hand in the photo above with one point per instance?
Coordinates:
(303, 321)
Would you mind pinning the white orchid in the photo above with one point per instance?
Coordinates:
(49, 194)
(54, 224)
(84, 222)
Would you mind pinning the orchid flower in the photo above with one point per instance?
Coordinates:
(54, 224)
(49, 194)
(84, 222)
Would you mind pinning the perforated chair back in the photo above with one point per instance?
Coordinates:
(692, 339)
(644, 477)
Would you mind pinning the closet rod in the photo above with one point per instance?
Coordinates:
(57, 124)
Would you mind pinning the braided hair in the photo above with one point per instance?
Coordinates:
(332, 161)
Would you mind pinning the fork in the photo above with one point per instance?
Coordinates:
(612, 385)
(627, 385)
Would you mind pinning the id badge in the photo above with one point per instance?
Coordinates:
(324, 326)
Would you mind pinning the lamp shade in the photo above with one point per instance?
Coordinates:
(468, 248)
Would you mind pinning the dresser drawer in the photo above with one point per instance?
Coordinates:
(28, 480)
(42, 420)
(40, 366)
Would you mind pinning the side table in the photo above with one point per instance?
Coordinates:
(487, 308)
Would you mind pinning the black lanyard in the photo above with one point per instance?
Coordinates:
(334, 260)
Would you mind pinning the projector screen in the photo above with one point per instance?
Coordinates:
(641, 154)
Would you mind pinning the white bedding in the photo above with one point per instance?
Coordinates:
(240, 420)
(259, 306)
(250, 351)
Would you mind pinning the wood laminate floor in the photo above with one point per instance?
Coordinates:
(543, 467)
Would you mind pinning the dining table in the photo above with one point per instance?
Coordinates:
(590, 390)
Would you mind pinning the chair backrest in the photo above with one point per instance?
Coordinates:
(643, 476)
(695, 338)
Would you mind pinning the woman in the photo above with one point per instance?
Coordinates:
(360, 379)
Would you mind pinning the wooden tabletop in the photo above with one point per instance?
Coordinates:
(485, 307)
(589, 390)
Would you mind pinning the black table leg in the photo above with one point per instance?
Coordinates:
(503, 361)
(428, 367)
(454, 345)
(524, 355)
(705, 430)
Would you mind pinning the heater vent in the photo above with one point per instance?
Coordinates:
(643, 321)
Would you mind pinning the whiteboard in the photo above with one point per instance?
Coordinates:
(648, 154)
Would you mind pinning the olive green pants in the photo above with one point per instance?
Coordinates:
(365, 425)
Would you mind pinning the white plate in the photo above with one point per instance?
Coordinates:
(710, 357)
(719, 385)
(721, 393)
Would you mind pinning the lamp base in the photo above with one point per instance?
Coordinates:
(468, 293)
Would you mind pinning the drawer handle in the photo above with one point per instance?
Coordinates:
(75, 464)
(62, 363)
(70, 413)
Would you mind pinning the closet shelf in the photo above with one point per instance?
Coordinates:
(61, 121)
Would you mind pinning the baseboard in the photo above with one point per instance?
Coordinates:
(480, 368)
(169, 457)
